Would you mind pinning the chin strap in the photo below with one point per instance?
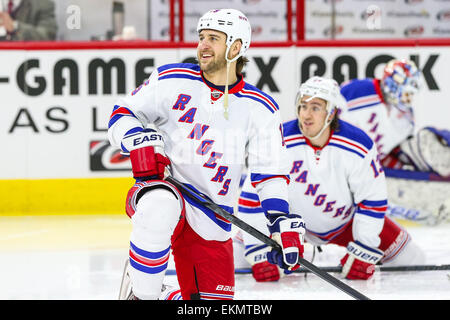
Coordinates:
(327, 123)
(225, 98)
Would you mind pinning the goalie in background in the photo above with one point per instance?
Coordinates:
(383, 108)
(339, 186)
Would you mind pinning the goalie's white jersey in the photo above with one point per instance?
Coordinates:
(366, 109)
(329, 187)
(206, 150)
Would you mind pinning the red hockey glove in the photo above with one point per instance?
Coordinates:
(265, 272)
(262, 270)
(359, 262)
(146, 150)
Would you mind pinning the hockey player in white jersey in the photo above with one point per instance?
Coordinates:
(197, 123)
(339, 186)
(383, 108)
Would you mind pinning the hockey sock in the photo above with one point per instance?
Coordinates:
(157, 214)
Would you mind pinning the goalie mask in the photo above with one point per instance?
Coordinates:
(325, 89)
(401, 80)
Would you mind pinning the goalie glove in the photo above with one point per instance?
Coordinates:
(359, 262)
(262, 270)
(146, 151)
(288, 231)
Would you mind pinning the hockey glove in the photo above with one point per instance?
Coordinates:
(288, 231)
(359, 262)
(262, 270)
(146, 150)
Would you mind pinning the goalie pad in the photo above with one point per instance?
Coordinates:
(427, 193)
(429, 150)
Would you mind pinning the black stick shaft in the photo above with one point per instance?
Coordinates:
(338, 269)
(414, 268)
(265, 239)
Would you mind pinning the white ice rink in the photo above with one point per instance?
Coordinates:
(82, 258)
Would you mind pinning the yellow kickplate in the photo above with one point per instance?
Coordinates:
(64, 196)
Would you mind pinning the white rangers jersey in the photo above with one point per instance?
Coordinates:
(206, 150)
(329, 187)
(366, 109)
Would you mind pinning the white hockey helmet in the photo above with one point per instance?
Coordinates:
(233, 23)
(323, 88)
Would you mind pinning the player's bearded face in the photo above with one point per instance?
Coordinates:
(311, 115)
(211, 51)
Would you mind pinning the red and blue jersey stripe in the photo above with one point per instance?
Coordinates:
(331, 234)
(292, 134)
(193, 72)
(362, 93)
(180, 71)
(347, 138)
(271, 204)
(352, 139)
(249, 203)
(119, 112)
(374, 209)
(251, 92)
(257, 178)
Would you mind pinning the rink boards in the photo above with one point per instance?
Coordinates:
(57, 99)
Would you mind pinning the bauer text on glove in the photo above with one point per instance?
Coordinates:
(360, 260)
(262, 270)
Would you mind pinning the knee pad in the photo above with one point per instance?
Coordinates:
(158, 211)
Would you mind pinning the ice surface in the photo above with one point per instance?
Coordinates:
(82, 258)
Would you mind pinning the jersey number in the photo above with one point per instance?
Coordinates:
(376, 171)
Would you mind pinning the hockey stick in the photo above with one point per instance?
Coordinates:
(200, 199)
(338, 269)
